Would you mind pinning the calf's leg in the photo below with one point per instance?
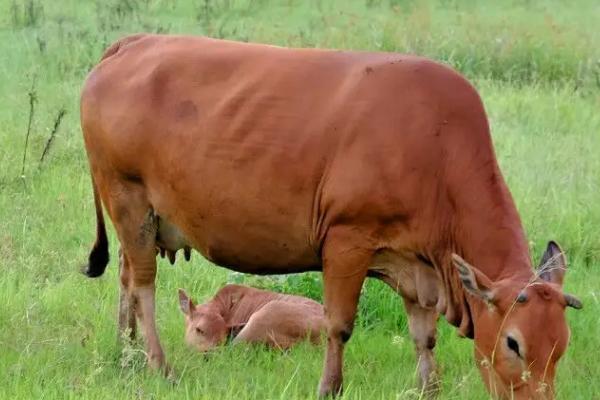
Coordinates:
(258, 332)
(345, 264)
(281, 324)
(422, 327)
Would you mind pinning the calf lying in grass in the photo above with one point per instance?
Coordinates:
(251, 315)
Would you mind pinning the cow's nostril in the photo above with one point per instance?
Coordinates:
(513, 345)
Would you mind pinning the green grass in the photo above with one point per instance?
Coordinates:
(536, 64)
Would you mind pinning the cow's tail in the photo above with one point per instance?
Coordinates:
(98, 258)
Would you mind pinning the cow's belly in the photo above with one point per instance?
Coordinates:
(257, 249)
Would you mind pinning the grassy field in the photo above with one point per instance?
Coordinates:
(536, 65)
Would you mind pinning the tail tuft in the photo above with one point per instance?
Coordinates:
(97, 261)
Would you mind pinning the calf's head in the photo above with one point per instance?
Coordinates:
(205, 327)
(520, 328)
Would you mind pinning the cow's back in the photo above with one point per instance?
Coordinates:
(254, 151)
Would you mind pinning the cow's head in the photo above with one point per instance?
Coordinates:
(205, 328)
(520, 329)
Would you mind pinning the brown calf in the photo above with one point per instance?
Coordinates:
(253, 316)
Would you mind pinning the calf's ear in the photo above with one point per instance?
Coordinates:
(185, 303)
(473, 281)
(553, 264)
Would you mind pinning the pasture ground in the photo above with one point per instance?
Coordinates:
(536, 65)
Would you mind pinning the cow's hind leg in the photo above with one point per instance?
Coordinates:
(345, 264)
(127, 322)
(422, 327)
(136, 228)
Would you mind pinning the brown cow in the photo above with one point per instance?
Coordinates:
(253, 316)
(270, 160)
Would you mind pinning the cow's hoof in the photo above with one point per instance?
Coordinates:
(431, 391)
(157, 363)
(166, 371)
(432, 388)
(330, 389)
(170, 375)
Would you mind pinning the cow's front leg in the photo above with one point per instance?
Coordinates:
(345, 264)
(423, 329)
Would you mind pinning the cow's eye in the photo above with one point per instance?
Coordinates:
(199, 330)
(513, 345)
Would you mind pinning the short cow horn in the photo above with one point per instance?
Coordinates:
(573, 301)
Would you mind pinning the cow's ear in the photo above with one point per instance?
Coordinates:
(553, 264)
(474, 281)
(185, 303)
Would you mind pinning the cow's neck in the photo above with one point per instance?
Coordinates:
(496, 248)
(499, 251)
(484, 229)
(489, 233)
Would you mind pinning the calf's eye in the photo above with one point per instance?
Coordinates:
(513, 345)
(199, 331)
